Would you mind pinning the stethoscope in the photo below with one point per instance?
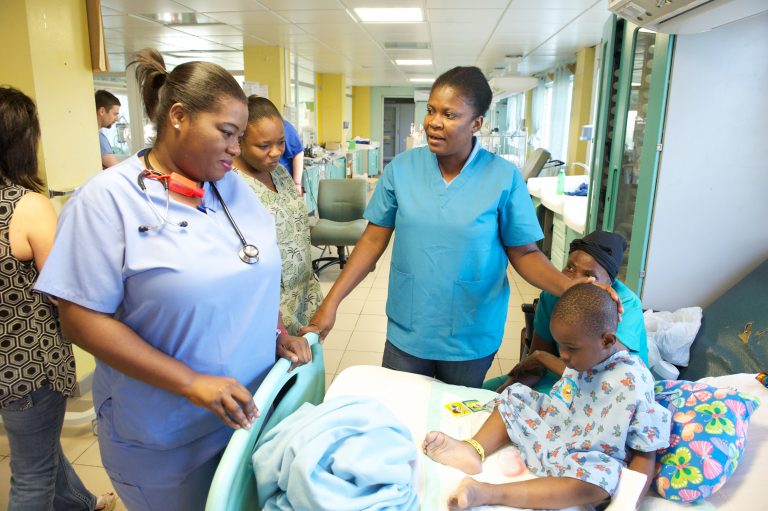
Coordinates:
(248, 253)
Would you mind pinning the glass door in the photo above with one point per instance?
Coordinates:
(629, 141)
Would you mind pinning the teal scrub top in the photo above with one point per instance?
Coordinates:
(630, 330)
(448, 289)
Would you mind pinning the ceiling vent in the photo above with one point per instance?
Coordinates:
(406, 46)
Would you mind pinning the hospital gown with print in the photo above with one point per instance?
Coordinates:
(586, 427)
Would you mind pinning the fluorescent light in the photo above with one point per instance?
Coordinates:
(422, 80)
(413, 62)
(389, 14)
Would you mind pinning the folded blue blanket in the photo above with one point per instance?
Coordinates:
(347, 454)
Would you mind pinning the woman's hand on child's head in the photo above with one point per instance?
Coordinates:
(295, 349)
(225, 397)
(605, 287)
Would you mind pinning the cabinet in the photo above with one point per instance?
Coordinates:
(373, 162)
(336, 168)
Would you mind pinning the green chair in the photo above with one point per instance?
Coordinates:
(234, 484)
(340, 207)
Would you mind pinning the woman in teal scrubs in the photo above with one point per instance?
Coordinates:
(461, 214)
(598, 255)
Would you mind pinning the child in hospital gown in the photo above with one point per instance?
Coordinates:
(585, 427)
(600, 416)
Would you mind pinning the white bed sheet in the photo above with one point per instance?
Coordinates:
(418, 402)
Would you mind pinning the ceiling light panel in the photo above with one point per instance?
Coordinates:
(413, 62)
(389, 14)
(422, 80)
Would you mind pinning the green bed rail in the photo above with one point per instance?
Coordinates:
(234, 485)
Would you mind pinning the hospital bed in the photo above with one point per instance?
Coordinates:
(419, 402)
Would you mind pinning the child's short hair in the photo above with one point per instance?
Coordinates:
(588, 306)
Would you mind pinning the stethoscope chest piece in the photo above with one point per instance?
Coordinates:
(249, 254)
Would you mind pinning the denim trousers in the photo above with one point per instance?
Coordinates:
(469, 373)
(41, 476)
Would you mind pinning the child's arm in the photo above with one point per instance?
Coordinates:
(645, 463)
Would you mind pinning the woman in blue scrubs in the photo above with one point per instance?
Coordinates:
(461, 214)
(598, 255)
(175, 292)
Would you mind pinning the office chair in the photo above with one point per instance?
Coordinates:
(340, 207)
(535, 163)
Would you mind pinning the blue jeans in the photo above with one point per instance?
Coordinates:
(41, 476)
(469, 373)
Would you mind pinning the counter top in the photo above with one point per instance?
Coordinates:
(573, 209)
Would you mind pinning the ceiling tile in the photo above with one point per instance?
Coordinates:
(315, 16)
(488, 16)
(209, 30)
(247, 18)
(555, 4)
(459, 4)
(222, 5)
(144, 6)
(300, 5)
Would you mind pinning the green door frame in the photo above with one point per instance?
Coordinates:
(601, 121)
(649, 160)
(623, 91)
(601, 207)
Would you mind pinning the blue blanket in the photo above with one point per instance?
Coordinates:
(347, 454)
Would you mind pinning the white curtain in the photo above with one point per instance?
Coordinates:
(558, 134)
(537, 114)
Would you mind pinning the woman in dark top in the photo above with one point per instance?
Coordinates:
(38, 369)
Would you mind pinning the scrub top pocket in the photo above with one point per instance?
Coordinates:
(400, 298)
(476, 307)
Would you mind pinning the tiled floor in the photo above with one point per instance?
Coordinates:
(357, 338)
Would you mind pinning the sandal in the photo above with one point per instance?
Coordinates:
(105, 502)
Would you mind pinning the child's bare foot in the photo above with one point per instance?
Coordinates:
(454, 453)
(468, 494)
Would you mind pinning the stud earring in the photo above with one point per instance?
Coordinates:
(176, 126)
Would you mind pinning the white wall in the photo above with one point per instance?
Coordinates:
(710, 224)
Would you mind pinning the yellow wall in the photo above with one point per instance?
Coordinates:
(330, 108)
(267, 65)
(361, 111)
(529, 120)
(47, 56)
(581, 107)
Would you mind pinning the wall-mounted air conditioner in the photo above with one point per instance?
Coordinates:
(685, 16)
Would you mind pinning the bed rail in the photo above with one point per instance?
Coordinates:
(234, 485)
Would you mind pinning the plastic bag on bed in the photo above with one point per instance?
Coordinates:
(670, 334)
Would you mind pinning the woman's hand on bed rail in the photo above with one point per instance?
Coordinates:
(322, 321)
(295, 349)
(225, 397)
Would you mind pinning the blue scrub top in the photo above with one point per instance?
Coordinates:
(448, 288)
(630, 330)
(293, 146)
(185, 291)
(104, 146)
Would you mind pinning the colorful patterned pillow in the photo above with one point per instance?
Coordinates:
(709, 431)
